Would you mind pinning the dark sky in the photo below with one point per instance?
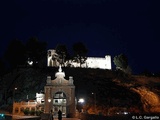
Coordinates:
(109, 27)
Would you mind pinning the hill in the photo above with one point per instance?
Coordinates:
(114, 90)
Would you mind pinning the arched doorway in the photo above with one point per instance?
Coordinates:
(59, 103)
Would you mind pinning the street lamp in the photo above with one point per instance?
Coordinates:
(81, 101)
(49, 100)
(14, 93)
(94, 102)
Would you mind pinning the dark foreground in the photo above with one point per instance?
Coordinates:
(155, 116)
(91, 117)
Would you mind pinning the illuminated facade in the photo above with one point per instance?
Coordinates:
(60, 95)
(19, 107)
(102, 63)
(91, 62)
(31, 105)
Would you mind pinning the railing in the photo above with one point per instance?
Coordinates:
(25, 103)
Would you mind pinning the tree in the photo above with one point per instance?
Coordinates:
(62, 52)
(80, 53)
(2, 68)
(121, 63)
(147, 73)
(15, 53)
(35, 50)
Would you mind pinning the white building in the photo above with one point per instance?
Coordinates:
(40, 98)
(102, 63)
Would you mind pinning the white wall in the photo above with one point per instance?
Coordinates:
(91, 62)
(102, 63)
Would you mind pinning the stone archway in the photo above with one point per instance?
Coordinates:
(59, 103)
(59, 90)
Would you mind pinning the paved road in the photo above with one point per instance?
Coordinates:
(16, 117)
(68, 119)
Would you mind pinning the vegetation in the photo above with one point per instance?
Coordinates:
(32, 112)
(121, 63)
(62, 52)
(18, 53)
(15, 53)
(80, 53)
(26, 111)
(38, 112)
(35, 50)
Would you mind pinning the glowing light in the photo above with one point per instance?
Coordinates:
(81, 100)
(2, 115)
(30, 62)
(49, 100)
(125, 113)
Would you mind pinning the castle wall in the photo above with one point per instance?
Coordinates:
(91, 62)
(102, 63)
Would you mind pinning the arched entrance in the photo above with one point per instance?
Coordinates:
(59, 103)
(60, 95)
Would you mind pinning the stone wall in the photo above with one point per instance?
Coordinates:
(91, 62)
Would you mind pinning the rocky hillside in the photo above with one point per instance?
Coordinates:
(115, 91)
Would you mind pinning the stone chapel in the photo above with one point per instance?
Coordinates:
(60, 95)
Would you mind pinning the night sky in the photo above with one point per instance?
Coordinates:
(106, 27)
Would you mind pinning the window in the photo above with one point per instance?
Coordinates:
(64, 100)
(22, 109)
(56, 101)
(16, 110)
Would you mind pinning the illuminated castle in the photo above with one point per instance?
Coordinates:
(91, 62)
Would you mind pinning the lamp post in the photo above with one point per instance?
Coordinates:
(81, 101)
(94, 102)
(49, 100)
(14, 93)
(50, 103)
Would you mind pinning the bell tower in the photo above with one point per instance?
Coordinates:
(60, 95)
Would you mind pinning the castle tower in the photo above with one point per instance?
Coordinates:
(108, 61)
(60, 95)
